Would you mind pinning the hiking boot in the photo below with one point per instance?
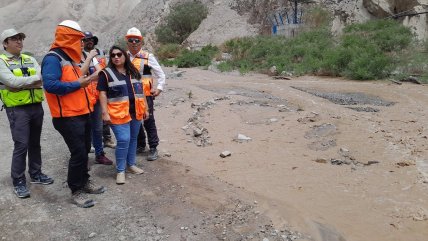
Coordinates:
(109, 143)
(21, 191)
(81, 199)
(120, 178)
(102, 159)
(153, 154)
(91, 188)
(42, 179)
(135, 170)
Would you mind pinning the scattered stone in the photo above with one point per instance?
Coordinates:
(372, 162)
(339, 162)
(411, 79)
(242, 138)
(405, 163)
(225, 154)
(92, 235)
(197, 132)
(320, 160)
(273, 120)
(273, 70)
(167, 154)
(312, 118)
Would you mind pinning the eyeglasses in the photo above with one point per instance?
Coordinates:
(113, 55)
(88, 39)
(134, 40)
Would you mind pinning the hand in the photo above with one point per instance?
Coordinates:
(106, 118)
(146, 115)
(92, 53)
(84, 81)
(155, 92)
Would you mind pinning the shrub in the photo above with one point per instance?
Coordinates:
(168, 51)
(196, 58)
(183, 19)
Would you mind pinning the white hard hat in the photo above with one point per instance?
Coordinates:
(71, 24)
(134, 32)
(10, 33)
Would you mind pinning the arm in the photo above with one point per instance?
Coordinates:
(103, 87)
(104, 109)
(14, 82)
(87, 63)
(51, 74)
(157, 73)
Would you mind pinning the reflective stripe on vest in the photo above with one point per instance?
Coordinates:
(141, 61)
(118, 98)
(72, 104)
(23, 68)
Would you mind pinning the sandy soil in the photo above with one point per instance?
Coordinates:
(314, 169)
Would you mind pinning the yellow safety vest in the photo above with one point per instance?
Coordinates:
(24, 68)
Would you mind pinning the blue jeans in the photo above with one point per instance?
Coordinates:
(126, 148)
(97, 129)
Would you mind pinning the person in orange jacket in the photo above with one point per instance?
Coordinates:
(69, 104)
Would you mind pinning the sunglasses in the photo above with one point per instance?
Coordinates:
(87, 40)
(113, 55)
(134, 40)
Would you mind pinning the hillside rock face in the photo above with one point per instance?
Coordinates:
(110, 19)
(349, 11)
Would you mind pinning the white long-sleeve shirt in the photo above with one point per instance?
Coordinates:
(157, 72)
(10, 80)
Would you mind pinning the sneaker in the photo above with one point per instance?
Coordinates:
(153, 154)
(102, 159)
(92, 150)
(109, 143)
(21, 191)
(92, 188)
(42, 179)
(120, 178)
(135, 170)
(81, 199)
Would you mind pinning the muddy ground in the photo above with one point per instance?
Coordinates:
(310, 159)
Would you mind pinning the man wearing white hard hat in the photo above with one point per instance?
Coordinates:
(151, 71)
(22, 96)
(70, 105)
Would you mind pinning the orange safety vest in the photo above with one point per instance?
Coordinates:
(118, 98)
(141, 62)
(72, 104)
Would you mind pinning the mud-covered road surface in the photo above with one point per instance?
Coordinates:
(310, 159)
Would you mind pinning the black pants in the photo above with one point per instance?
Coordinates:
(76, 132)
(106, 132)
(26, 127)
(149, 127)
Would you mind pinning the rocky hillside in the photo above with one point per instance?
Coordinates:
(109, 19)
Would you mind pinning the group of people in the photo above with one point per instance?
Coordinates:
(86, 96)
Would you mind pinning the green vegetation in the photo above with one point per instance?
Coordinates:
(372, 50)
(187, 58)
(365, 51)
(183, 19)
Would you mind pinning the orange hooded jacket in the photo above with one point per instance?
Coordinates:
(75, 103)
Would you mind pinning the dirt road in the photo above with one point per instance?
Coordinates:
(311, 159)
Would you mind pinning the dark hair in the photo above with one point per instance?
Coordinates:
(129, 67)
